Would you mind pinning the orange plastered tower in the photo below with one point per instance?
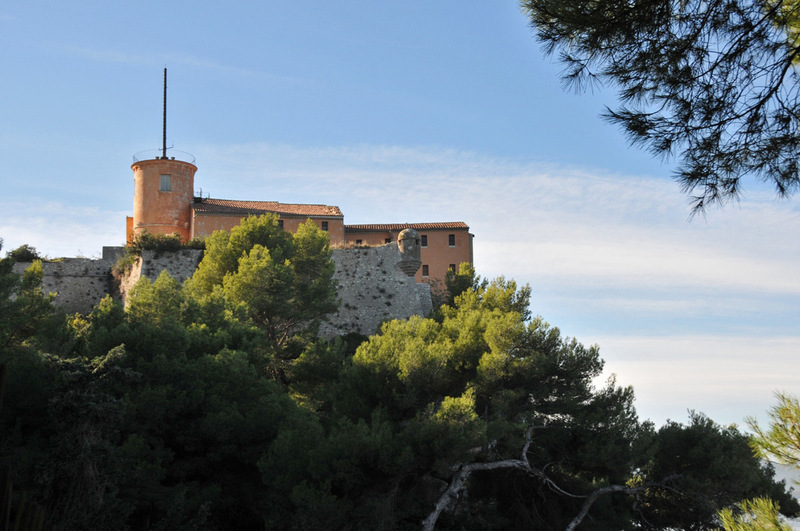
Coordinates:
(162, 196)
(163, 189)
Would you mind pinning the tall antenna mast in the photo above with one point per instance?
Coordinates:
(164, 135)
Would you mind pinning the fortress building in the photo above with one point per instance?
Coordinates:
(164, 202)
(382, 271)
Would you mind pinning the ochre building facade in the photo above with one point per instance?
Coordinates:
(443, 245)
(164, 202)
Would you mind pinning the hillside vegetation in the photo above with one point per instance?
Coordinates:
(213, 405)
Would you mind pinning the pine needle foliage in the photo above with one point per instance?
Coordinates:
(712, 82)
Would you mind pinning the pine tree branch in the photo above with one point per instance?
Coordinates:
(610, 489)
(449, 497)
(459, 481)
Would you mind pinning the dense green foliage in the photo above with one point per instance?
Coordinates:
(458, 281)
(146, 241)
(781, 440)
(23, 306)
(759, 514)
(23, 253)
(712, 81)
(212, 405)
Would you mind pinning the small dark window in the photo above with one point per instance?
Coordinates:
(324, 225)
(424, 240)
(280, 223)
(358, 242)
(452, 267)
(452, 240)
(425, 270)
(387, 240)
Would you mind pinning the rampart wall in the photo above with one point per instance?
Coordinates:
(372, 289)
(79, 282)
(370, 285)
(179, 264)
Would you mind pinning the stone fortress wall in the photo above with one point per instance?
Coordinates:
(179, 264)
(372, 289)
(371, 285)
(80, 283)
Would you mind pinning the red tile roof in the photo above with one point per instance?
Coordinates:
(223, 207)
(388, 227)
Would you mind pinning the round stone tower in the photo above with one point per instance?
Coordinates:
(163, 189)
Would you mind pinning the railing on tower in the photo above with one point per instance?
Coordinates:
(155, 154)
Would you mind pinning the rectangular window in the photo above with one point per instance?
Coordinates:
(424, 240)
(324, 225)
(387, 240)
(164, 185)
(425, 270)
(280, 223)
(452, 240)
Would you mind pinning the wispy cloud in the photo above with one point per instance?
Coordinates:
(172, 59)
(726, 377)
(58, 229)
(208, 64)
(107, 56)
(565, 225)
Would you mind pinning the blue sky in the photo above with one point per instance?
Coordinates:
(407, 112)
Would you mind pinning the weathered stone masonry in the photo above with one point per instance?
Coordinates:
(372, 289)
(371, 286)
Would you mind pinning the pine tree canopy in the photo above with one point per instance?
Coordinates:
(712, 82)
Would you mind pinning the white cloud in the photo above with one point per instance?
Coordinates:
(115, 56)
(58, 229)
(726, 377)
(564, 225)
(637, 260)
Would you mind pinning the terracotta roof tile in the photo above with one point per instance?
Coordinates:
(387, 227)
(234, 207)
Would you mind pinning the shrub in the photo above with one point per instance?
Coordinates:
(24, 253)
(161, 242)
